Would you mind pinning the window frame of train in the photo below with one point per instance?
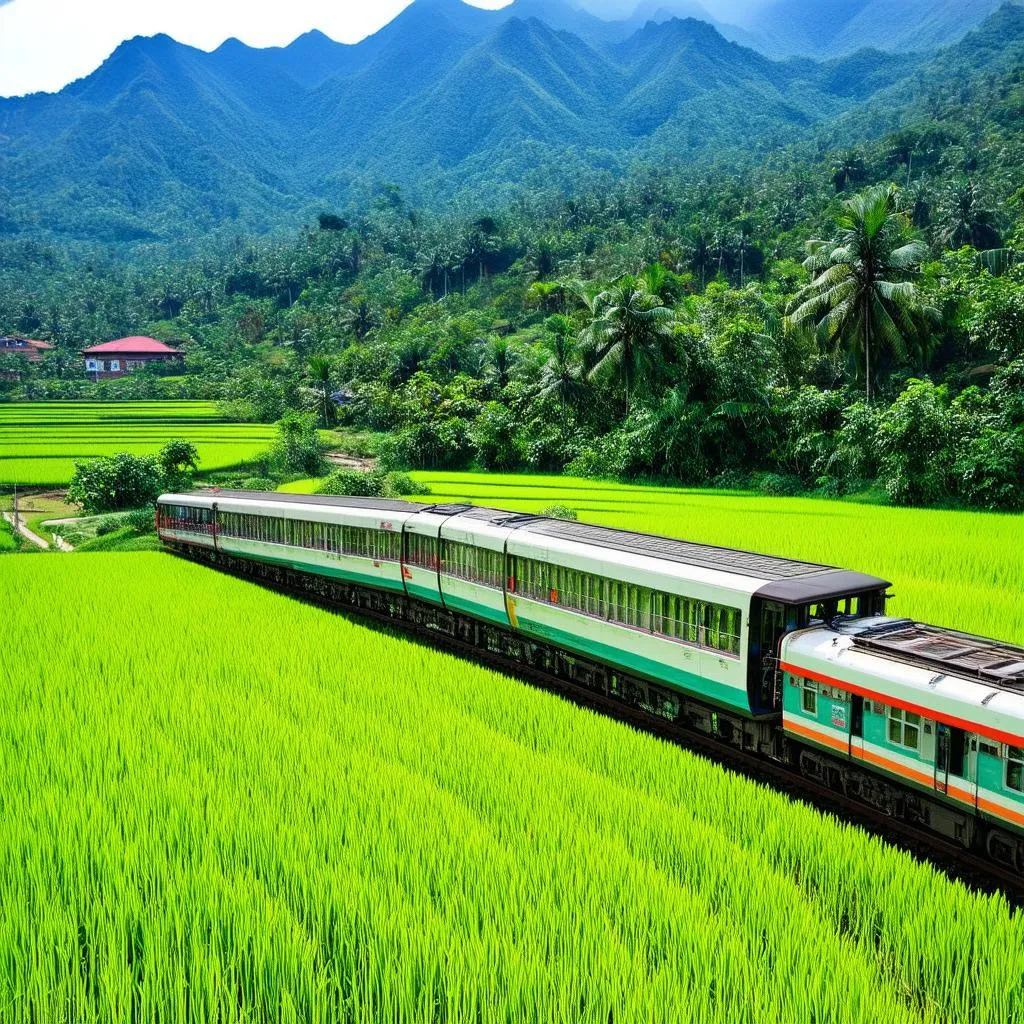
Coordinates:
(895, 716)
(370, 542)
(809, 690)
(1013, 773)
(472, 563)
(420, 550)
(186, 518)
(662, 614)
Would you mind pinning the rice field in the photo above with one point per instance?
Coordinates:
(335, 824)
(40, 442)
(959, 569)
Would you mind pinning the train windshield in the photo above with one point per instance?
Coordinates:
(853, 606)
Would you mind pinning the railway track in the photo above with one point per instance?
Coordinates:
(975, 872)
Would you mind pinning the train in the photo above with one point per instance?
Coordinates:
(791, 661)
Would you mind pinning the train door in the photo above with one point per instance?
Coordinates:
(950, 761)
(856, 726)
(773, 627)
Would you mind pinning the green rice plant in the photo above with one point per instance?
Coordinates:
(40, 442)
(223, 804)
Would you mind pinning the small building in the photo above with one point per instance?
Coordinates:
(15, 345)
(119, 358)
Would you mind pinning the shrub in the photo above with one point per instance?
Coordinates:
(397, 485)
(298, 447)
(912, 438)
(119, 482)
(353, 483)
(373, 484)
(560, 512)
(778, 485)
(257, 483)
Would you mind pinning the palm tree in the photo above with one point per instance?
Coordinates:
(320, 374)
(847, 169)
(560, 376)
(500, 357)
(359, 319)
(965, 219)
(628, 332)
(861, 294)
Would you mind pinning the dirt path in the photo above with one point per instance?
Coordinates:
(343, 461)
(26, 532)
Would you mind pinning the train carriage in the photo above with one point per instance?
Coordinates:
(942, 712)
(473, 578)
(706, 620)
(359, 541)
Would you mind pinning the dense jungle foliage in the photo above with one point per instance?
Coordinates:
(672, 324)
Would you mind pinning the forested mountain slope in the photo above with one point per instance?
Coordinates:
(165, 142)
(823, 28)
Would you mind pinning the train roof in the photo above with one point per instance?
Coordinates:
(962, 654)
(336, 501)
(787, 580)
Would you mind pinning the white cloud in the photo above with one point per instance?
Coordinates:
(44, 44)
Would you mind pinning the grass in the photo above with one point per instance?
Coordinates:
(336, 824)
(40, 442)
(8, 542)
(964, 570)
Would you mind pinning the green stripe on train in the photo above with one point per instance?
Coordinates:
(655, 671)
(335, 572)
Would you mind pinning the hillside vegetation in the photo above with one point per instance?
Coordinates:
(168, 144)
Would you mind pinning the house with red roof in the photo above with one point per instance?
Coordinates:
(16, 345)
(119, 358)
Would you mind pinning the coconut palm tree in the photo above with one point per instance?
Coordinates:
(320, 375)
(861, 295)
(559, 378)
(964, 218)
(629, 330)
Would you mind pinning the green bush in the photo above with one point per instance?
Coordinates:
(372, 484)
(778, 485)
(397, 485)
(560, 512)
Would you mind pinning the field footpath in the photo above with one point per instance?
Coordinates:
(26, 532)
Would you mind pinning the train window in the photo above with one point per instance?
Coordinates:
(809, 696)
(468, 562)
(1015, 768)
(992, 749)
(904, 728)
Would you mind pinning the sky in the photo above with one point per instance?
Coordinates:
(45, 44)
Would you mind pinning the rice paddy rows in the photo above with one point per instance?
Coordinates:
(39, 442)
(337, 824)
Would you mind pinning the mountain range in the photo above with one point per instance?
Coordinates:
(165, 141)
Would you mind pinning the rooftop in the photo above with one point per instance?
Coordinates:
(132, 346)
(961, 654)
(745, 563)
(15, 339)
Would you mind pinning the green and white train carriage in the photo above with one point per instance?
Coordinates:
(705, 620)
(357, 539)
(702, 620)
